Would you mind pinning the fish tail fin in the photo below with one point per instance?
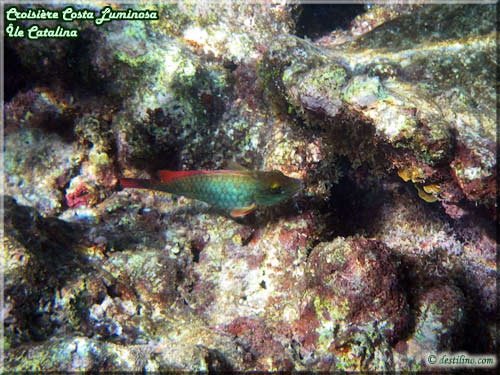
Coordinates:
(136, 183)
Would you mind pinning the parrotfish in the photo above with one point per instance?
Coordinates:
(239, 191)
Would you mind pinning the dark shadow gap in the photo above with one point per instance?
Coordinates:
(317, 20)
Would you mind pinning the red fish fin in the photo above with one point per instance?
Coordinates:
(243, 211)
(137, 183)
(167, 176)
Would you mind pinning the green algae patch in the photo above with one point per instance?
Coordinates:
(327, 311)
(172, 21)
(317, 90)
(363, 91)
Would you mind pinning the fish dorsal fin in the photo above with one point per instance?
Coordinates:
(243, 211)
(168, 176)
(231, 164)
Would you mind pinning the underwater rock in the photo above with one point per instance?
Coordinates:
(39, 258)
(97, 172)
(443, 315)
(69, 161)
(58, 286)
(357, 303)
(172, 114)
(37, 168)
(264, 351)
(94, 132)
(236, 32)
(438, 327)
(249, 282)
(69, 154)
(80, 353)
(348, 272)
(51, 109)
(417, 110)
(439, 250)
(249, 294)
(175, 84)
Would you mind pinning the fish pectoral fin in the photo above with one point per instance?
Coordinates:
(243, 211)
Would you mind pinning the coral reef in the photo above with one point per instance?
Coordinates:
(388, 254)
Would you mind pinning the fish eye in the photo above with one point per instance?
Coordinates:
(275, 187)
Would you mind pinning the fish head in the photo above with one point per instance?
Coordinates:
(274, 187)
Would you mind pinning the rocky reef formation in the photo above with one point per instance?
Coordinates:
(387, 255)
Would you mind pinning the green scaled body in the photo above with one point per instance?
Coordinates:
(226, 191)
